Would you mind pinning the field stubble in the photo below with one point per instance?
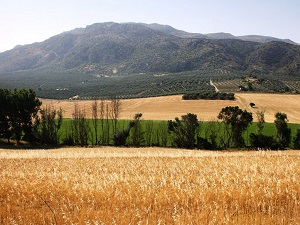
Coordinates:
(169, 107)
(149, 186)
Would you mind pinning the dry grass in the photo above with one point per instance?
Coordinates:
(169, 107)
(148, 186)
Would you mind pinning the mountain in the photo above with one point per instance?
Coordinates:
(221, 35)
(172, 31)
(142, 60)
(179, 33)
(264, 39)
(152, 48)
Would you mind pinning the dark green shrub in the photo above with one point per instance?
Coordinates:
(263, 141)
(203, 143)
(120, 137)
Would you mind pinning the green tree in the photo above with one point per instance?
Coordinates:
(95, 120)
(184, 130)
(102, 116)
(18, 111)
(236, 122)
(106, 133)
(260, 140)
(297, 140)
(115, 110)
(80, 129)
(48, 125)
(121, 136)
(283, 135)
(212, 132)
(24, 108)
(137, 133)
(261, 121)
(5, 103)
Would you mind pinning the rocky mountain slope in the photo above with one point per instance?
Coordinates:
(132, 48)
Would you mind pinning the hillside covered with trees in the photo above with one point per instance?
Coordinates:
(95, 59)
(140, 48)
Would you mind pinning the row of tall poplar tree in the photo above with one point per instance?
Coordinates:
(22, 117)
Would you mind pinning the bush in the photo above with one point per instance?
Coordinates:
(263, 141)
(68, 140)
(203, 143)
(120, 137)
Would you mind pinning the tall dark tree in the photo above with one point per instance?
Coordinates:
(121, 136)
(95, 120)
(297, 139)
(260, 140)
(137, 133)
(25, 107)
(184, 130)
(80, 129)
(212, 132)
(115, 109)
(19, 109)
(101, 116)
(108, 120)
(283, 135)
(260, 121)
(236, 122)
(5, 103)
(48, 125)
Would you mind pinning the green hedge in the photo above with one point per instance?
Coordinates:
(209, 95)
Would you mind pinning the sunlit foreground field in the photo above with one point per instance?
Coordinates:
(169, 107)
(149, 186)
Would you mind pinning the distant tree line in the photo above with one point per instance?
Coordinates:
(23, 118)
(208, 95)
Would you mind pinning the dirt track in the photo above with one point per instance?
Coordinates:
(169, 107)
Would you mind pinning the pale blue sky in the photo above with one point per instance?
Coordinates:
(27, 21)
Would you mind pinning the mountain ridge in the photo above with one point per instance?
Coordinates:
(184, 34)
(219, 35)
(150, 48)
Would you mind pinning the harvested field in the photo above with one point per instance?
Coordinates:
(149, 186)
(169, 107)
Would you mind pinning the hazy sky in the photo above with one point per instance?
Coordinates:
(28, 21)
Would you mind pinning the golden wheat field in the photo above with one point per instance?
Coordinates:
(169, 107)
(148, 186)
